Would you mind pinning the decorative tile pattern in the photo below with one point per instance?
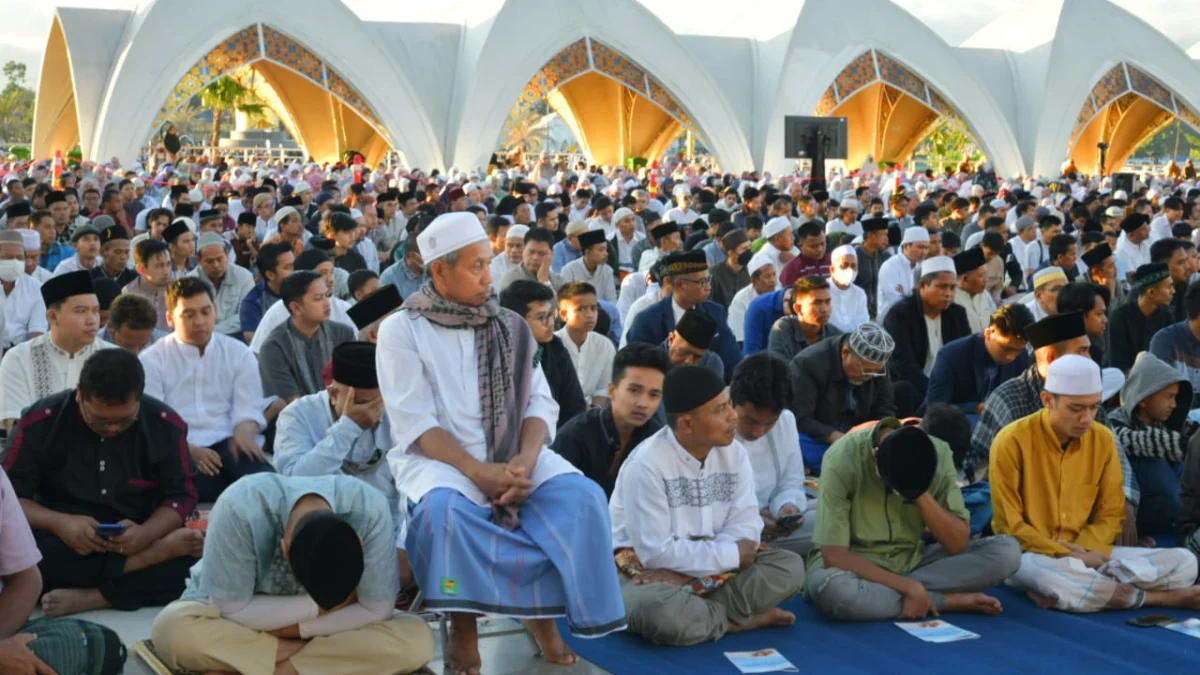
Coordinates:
(1086, 113)
(1150, 88)
(232, 53)
(857, 74)
(1110, 86)
(617, 66)
(897, 75)
(663, 98)
(287, 52)
(827, 103)
(1189, 118)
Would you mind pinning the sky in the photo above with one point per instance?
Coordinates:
(27, 22)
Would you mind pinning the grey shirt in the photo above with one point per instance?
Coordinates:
(787, 339)
(290, 363)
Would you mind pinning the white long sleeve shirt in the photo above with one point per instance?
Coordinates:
(778, 466)
(849, 307)
(683, 515)
(37, 368)
(601, 279)
(895, 271)
(24, 311)
(213, 392)
(428, 378)
(593, 362)
(979, 308)
(737, 311)
(633, 286)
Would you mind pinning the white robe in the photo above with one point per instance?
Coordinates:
(38, 368)
(895, 271)
(979, 308)
(849, 307)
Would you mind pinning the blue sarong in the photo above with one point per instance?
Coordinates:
(559, 560)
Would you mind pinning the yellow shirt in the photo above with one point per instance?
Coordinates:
(1041, 492)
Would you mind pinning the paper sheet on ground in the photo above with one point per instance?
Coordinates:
(761, 661)
(936, 631)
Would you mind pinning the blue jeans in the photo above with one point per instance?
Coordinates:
(1159, 482)
(813, 451)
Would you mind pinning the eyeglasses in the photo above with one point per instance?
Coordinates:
(862, 369)
(98, 424)
(706, 282)
(541, 317)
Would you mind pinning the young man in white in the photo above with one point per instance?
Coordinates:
(591, 353)
(896, 274)
(24, 312)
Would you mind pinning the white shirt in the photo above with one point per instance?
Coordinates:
(41, 275)
(774, 254)
(633, 287)
(683, 515)
(979, 308)
(625, 248)
(213, 392)
(895, 271)
(601, 279)
(237, 283)
(778, 466)
(370, 253)
(1132, 255)
(593, 362)
(681, 217)
(428, 378)
(737, 311)
(652, 295)
(1160, 228)
(848, 307)
(24, 311)
(72, 264)
(499, 266)
(1035, 308)
(263, 227)
(836, 226)
(38, 368)
(933, 328)
(278, 314)
(1037, 253)
(647, 260)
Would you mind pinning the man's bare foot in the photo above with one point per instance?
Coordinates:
(771, 617)
(463, 651)
(66, 601)
(183, 542)
(972, 603)
(1042, 601)
(554, 650)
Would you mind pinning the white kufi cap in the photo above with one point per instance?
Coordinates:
(1074, 375)
(915, 234)
(938, 263)
(776, 225)
(448, 233)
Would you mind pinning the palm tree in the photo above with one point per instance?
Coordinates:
(226, 93)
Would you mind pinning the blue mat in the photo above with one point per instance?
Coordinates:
(1024, 639)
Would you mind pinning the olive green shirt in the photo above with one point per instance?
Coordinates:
(856, 510)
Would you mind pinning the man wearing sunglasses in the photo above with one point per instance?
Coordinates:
(102, 454)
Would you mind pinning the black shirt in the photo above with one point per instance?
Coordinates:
(123, 279)
(351, 261)
(563, 381)
(1129, 332)
(54, 458)
(590, 442)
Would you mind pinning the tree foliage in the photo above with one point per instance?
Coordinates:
(16, 105)
(1174, 140)
(226, 94)
(946, 143)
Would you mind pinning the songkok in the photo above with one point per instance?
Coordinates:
(280, 215)
(871, 342)
(757, 262)
(375, 306)
(938, 263)
(18, 209)
(448, 233)
(663, 230)
(875, 224)
(907, 460)
(83, 231)
(247, 218)
(59, 288)
(1048, 275)
(322, 244)
(208, 214)
(915, 234)
(31, 238)
(309, 259)
(1150, 274)
(175, 229)
(1114, 212)
(354, 365)
(1074, 375)
(302, 187)
(1098, 254)
(1054, 329)
(776, 225)
(843, 251)
(621, 213)
(734, 239)
(113, 232)
(591, 238)
(326, 558)
(686, 262)
(262, 198)
(575, 227)
(1134, 221)
(697, 328)
(106, 290)
(1023, 223)
(54, 197)
(969, 260)
(689, 387)
(177, 190)
(210, 239)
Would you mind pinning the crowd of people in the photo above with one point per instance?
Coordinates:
(662, 401)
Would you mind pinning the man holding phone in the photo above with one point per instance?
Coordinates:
(103, 477)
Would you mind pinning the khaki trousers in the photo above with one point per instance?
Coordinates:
(192, 635)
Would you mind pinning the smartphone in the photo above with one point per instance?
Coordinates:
(107, 530)
(790, 520)
(1151, 620)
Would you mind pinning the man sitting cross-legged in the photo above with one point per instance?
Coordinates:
(471, 415)
(882, 488)
(1056, 487)
(299, 576)
(103, 453)
(686, 526)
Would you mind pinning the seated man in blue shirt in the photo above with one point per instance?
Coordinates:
(300, 573)
(275, 261)
(966, 370)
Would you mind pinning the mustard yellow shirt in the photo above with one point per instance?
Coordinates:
(1041, 492)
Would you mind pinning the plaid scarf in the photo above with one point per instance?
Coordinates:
(504, 355)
